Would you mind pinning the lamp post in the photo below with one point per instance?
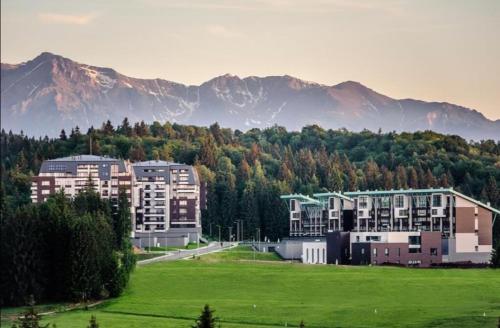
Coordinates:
(258, 237)
(219, 232)
(149, 239)
(237, 230)
(242, 236)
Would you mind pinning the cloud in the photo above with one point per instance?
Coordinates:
(312, 6)
(221, 31)
(53, 18)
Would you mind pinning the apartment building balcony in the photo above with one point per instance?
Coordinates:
(146, 221)
(334, 214)
(149, 213)
(159, 195)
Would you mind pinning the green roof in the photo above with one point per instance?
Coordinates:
(419, 191)
(306, 199)
(332, 194)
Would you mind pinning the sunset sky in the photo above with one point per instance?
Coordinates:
(427, 49)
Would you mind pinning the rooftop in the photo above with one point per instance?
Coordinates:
(84, 158)
(155, 163)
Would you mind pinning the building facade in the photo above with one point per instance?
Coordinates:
(74, 173)
(167, 203)
(409, 227)
(165, 198)
(314, 217)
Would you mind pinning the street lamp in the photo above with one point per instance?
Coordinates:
(242, 236)
(237, 230)
(219, 232)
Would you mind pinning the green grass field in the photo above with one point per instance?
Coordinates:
(172, 295)
(240, 253)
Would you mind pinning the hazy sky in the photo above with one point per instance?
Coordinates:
(430, 50)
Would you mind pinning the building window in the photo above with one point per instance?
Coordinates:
(45, 183)
(414, 240)
(385, 202)
(434, 251)
(332, 203)
(363, 202)
(421, 201)
(386, 252)
(182, 202)
(399, 201)
(357, 239)
(362, 251)
(375, 251)
(476, 248)
(437, 201)
(415, 250)
(292, 205)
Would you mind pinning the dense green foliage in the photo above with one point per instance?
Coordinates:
(246, 172)
(65, 249)
(322, 296)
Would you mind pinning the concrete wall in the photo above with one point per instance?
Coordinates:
(291, 249)
(314, 252)
(474, 257)
(173, 237)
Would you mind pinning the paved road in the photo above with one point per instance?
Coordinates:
(186, 253)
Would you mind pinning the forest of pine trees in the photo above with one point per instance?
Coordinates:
(247, 171)
(65, 249)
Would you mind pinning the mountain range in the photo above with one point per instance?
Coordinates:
(50, 92)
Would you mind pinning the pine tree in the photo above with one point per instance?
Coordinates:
(208, 152)
(125, 128)
(93, 322)
(495, 257)
(412, 178)
(206, 319)
(63, 136)
(107, 128)
(122, 223)
(85, 278)
(30, 318)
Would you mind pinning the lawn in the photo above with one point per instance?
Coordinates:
(275, 294)
(147, 256)
(240, 253)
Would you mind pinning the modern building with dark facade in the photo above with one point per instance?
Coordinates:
(420, 227)
(165, 198)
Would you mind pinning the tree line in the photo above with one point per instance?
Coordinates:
(65, 249)
(246, 171)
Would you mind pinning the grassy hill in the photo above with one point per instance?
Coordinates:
(172, 295)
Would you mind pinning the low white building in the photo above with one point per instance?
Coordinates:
(314, 252)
